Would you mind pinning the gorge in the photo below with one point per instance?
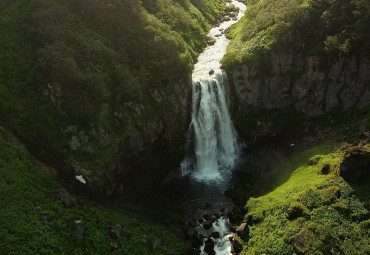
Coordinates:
(184, 127)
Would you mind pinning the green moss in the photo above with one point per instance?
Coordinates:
(328, 212)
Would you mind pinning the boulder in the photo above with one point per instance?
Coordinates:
(243, 231)
(115, 231)
(210, 40)
(299, 242)
(67, 200)
(215, 235)
(236, 245)
(209, 247)
(355, 166)
(207, 224)
(156, 243)
(206, 217)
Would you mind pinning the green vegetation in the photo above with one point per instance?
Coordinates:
(89, 69)
(315, 211)
(332, 28)
(34, 221)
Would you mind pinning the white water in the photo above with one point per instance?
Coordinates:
(216, 142)
(222, 244)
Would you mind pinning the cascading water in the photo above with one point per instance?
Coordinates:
(216, 145)
(216, 142)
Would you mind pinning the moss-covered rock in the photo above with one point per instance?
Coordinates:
(310, 213)
(295, 210)
(355, 166)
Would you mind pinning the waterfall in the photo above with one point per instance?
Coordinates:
(213, 140)
(213, 143)
(216, 143)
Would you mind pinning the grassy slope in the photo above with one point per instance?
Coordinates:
(26, 184)
(316, 27)
(334, 218)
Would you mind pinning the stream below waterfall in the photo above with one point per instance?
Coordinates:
(213, 144)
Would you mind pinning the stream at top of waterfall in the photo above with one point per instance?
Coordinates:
(214, 147)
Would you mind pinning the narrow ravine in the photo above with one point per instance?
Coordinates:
(214, 143)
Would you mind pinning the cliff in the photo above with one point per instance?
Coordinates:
(304, 83)
(102, 88)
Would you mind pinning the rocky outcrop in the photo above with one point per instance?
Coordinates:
(308, 84)
(145, 143)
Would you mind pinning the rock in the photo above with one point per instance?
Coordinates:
(355, 166)
(294, 211)
(206, 217)
(46, 218)
(236, 245)
(299, 242)
(215, 235)
(67, 200)
(209, 247)
(144, 241)
(207, 224)
(113, 245)
(243, 231)
(156, 243)
(365, 134)
(210, 40)
(80, 179)
(325, 169)
(214, 218)
(233, 229)
(77, 229)
(115, 231)
(211, 72)
(226, 19)
(200, 231)
(38, 208)
(218, 35)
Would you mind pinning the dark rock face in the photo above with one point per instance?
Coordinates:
(355, 166)
(209, 247)
(207, 224)
(243, 231)
(285, 80)
(237, 247)
(215, 235)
